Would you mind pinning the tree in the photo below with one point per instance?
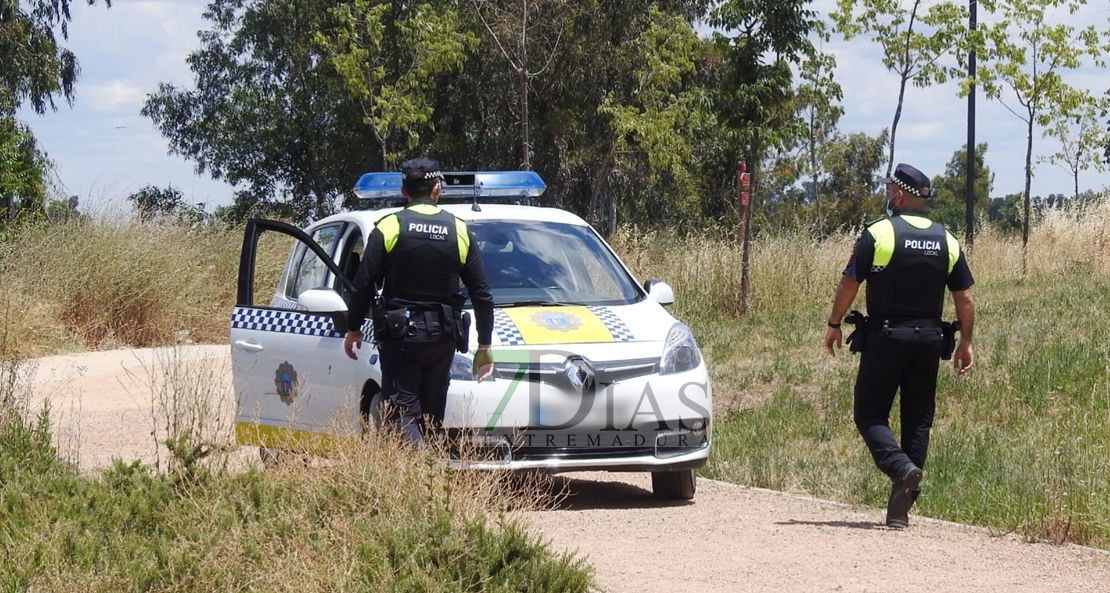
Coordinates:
(36, 68)
(516, 28)
(913, 40)
(269, 113)
(23, 171)
(755, 99)
(852, 163)
(1025, 57)
(659, 115)
(1005, 213)
(948, 204)
(152, 201)
(389, 58)
(816, 98)
(1080, 134)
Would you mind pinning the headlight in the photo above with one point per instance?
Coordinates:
(461, 367)
(680, 351)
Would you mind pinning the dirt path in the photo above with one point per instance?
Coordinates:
(730, 538)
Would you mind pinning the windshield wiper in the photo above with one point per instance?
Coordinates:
(532, 304)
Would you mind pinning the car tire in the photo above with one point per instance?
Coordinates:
(674, 485)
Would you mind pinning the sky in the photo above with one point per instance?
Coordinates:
(104, 149)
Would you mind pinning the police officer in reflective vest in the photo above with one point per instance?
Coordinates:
(420, 253)
(907, 261)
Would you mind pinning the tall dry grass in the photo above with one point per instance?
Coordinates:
(106, 283)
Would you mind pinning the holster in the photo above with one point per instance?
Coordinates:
(397, 323)
(377, 318)
(950, 330)
(857, 340)
(460, 322)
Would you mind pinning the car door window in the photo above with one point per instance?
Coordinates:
(350, 258)
(309, 272)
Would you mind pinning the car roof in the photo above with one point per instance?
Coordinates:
(368, 218)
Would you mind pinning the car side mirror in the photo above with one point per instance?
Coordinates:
(326, 301)
(659, 291)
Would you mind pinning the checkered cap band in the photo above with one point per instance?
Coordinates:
(906, 186)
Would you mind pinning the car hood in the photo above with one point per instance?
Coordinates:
(596, 332)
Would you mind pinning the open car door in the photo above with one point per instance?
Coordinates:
(293, 382)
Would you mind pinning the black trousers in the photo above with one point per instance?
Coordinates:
(415, 376)
(906, 359)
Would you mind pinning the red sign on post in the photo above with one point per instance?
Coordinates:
(743, 182)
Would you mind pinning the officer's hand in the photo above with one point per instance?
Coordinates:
(963, 358)
(832, 336)
(483, 363)
(354, 340)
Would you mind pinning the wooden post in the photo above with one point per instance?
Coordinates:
(743, 182)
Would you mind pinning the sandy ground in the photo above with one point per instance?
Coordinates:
(730, 538)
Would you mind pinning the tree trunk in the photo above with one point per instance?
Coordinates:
(905, 76)
(1028, 186)
(599, 182)
(745, 264)
(612, 215)
(525, 138)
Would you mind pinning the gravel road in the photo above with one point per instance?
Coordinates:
(730, 538)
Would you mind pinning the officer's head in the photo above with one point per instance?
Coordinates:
(907, 189)
(420, 178)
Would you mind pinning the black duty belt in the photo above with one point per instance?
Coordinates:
(880, 322)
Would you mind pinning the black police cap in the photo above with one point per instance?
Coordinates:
(420, 172)
(910, 179)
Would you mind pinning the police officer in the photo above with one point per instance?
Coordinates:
(420, 253)
(907, 261)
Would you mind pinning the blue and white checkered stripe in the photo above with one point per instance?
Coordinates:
(620, 331)
(287, 322)
(505, 329)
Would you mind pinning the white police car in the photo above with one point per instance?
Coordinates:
(593, 373)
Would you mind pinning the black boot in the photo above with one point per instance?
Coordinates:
(902, 496)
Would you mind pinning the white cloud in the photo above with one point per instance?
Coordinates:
(114, 96)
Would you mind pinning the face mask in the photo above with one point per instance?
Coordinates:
(889, 207)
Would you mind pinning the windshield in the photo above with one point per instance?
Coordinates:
(550, 263)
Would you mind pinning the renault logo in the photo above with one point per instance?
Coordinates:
(580, 373)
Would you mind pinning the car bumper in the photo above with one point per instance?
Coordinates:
(648, 423)
(557, 461)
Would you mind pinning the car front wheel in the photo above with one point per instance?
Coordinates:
(674, 485)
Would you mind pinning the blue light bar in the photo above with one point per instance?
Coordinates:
(505, 185)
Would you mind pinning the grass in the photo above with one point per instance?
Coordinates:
(375, 516)
(1020, 444)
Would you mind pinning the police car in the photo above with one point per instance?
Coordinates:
(592, 371)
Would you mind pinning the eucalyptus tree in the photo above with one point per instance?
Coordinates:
(1027, 54)
(914, 40)
(36, 68)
